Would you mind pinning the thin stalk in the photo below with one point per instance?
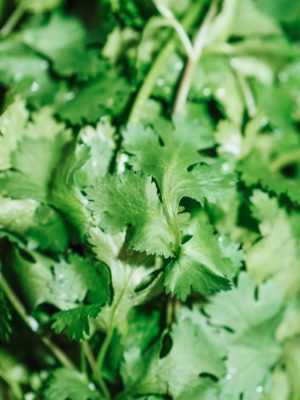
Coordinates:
(13, 20)
(194, 58)
(172, 222)
(109, 335)
(248, 95)
(33, 324)
(101, 357)
(14, 386)
(170, 20)
(95, 370)
(83, 361)
(160, 61)
(293, 156)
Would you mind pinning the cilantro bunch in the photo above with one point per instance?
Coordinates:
(149, 200)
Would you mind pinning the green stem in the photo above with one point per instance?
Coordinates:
(13, 20)
(160, 61)
(247, 94)
(193, 59)
(293, 156)
(14, 386)
(95, 370)
(33, 324)
(102, 354)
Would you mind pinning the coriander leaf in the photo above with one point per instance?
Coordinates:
(101, 142)
(278, 10)
(135, 278)
(213, 181)
(242, 315)
(33, 153)
(82, 163)
(63, 284)
(253, 349)
(80, 278)
(36, 281)
(33, 163)
(192, 353)
(69, 384)
(132, 199)
(16, 215)
(276, 254)
(65, 192)
(249, 21)
(108, 93)
(290, 324)
(169, 163)
(61, 34)
(291, 359)
(63, 41)
(12, 125)
(26, 73)
(39, 6)
(76, 320)
(256, 171)
(5, 319)
(201, 266)
(39, 224)
(214, 77)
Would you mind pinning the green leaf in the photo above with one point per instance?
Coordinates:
(32, 152)
(26, 72)
(12, 125)
(253, 349)
(214, 77)
(68, 384)
(169, 163)
(39, 6)
(108, 93)
(63, 41)
(192, 353)
(135, 278)
(201, 266)
(39, 224)
(65, 193)
(291, 359)
(256, 171)
(276, 254)
(76, 320)
(279, 11)
(63, 284)
(101, 142)
(33, 163)
(132, 199)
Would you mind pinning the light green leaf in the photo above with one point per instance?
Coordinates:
(132, 199)
(169, 163)
(39, 224)
(192, 353)
(76, 320)
(68, 384)
(201, 266)
(276, 254)
(108, 93)
(63, 41)
(253, 348)
(63, 284)
(135, 278)
(12, 125)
